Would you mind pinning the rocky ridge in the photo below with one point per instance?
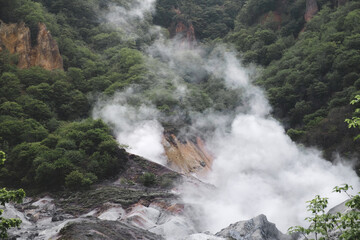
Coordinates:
(16, 38)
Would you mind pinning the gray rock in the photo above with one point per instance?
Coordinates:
(258, 228)
(96, 229)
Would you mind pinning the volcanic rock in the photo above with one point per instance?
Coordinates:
(258, 228)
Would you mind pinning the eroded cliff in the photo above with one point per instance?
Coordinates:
(16, 39)
(187, 156)
(182, 29)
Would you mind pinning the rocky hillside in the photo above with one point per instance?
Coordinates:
(128, 207)
(83, 83)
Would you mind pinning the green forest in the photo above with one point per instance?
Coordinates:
(310, 71)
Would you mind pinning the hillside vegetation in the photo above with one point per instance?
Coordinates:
(310, 71)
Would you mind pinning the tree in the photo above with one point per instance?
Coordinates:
(354, 122)
(345, 225)
(6, 197)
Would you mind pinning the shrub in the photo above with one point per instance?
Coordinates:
(77, 180)
(148, 179)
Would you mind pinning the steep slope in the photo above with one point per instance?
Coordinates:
(187, 157)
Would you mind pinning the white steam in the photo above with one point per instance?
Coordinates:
(136, 127)
(128, 17)
(257, 168)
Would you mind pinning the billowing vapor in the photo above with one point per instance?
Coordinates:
(257, 168)
(124, 17)
(135, 127)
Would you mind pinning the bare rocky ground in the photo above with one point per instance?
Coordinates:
(123, 208)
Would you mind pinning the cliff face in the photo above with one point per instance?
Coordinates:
(187, 32)
(17, 40)
(311, 9)
(188, 156)
(183, 29)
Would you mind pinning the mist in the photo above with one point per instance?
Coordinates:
(257, 169)
(128, 17)
(135, 127)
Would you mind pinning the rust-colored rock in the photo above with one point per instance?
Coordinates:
(46, 54)
(182, 29)
(187, 32)
(311, 9)
(16, 39)
(188, 156)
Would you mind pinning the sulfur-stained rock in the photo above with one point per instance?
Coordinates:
(188, 156)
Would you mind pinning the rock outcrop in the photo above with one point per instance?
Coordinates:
(258, 228)
(187, 156)
(182, 29)
(187, 31)
(99, 230)
(16, 38)
(311, 9)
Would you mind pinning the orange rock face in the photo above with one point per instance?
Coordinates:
(188, 156)
(311, 9)
(16, 39)
(182, 28)
(187, 32)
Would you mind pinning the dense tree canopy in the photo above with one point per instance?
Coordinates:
(310, 72)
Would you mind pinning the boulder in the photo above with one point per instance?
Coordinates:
(258, 228)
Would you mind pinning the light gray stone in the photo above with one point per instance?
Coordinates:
(258, 228)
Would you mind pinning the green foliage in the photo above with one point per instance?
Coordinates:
(311, 82)
(309, 77)
(77, 180)
(148, 179)
(354, 122)
(211, 19)
(84, 149)
(346, 225)
(16, 196)
(9, 86)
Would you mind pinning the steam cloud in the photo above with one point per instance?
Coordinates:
(124, 17)
(257, 168)
(136, 127)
